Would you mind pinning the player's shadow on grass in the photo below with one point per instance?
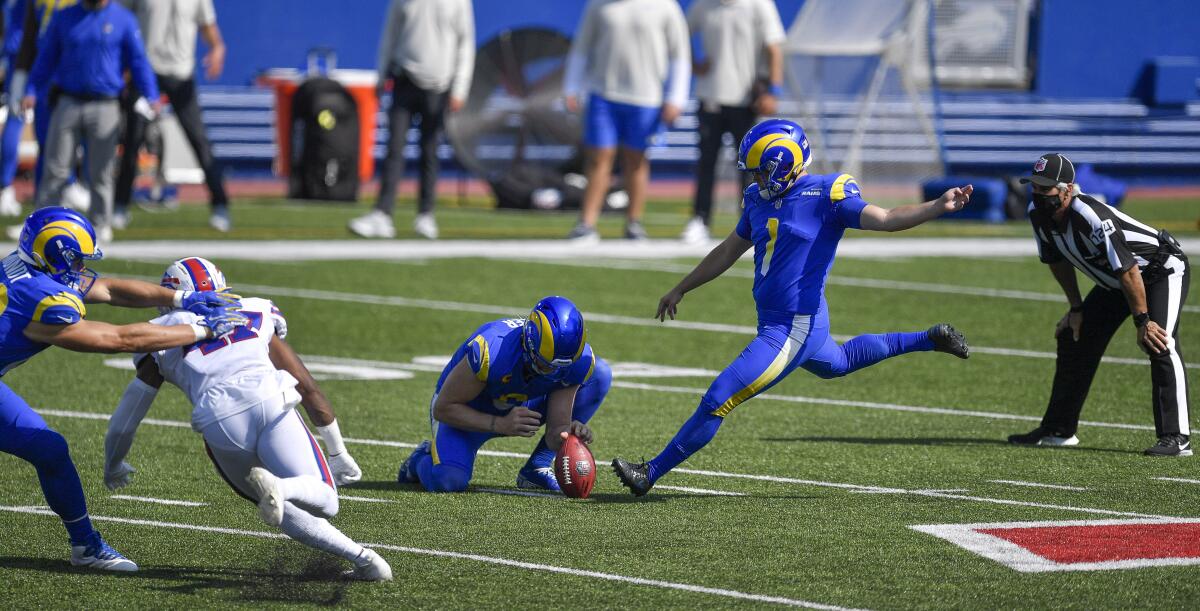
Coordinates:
(380, 484)
(313, 580)
(934, 441)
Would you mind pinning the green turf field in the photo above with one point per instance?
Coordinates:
(807, 495)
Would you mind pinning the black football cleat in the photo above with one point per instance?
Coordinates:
(635, 476)
(1171, 445)
(947, 339)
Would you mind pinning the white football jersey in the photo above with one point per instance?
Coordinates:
(229, 374)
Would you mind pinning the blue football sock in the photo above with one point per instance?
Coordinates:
(542, 455)
(48, 452)
(866, 350)
(693, 435)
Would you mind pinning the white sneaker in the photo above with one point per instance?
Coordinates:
(425, 226)
(9, 206)
(96, 554)
(374, 224)
(220, 220)
(374, 568)
(270, 497)
(696, 232)
(77, 196)
(104, 233)
(120, 219)
(583, 234)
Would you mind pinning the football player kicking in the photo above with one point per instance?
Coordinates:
(507, 378)
(43, 288)
(244, 387)
(794, 221)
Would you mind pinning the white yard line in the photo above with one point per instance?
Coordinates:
(734, 594)
(721, 474)
(632, 321)
(835, 279)
(705, 491)
(943, 411)
(512, 492)
(146, 499)
(1178, 479)
(364, 499)
(1012, 482)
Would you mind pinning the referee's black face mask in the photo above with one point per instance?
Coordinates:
(1046, 202)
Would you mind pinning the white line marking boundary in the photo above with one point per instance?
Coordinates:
(475, 557)
(147, 499)
(767, 478)
(1013, 482)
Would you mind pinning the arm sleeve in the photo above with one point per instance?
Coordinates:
(206, 13)
(582, 370)
(134, 405)
(387, 39)
(1120, 257)
(743, 224)
(772, 25)
(575, 72)
(59, 309)
(48, 51)
(679, 74)
(478, 357)
(1047, 252)
(278, 321)
(134, 57)
(29, 34)
(847, 201)
(465, 53)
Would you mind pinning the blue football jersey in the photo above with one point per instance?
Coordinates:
(26, 295)
(795, 238)
(496, 357)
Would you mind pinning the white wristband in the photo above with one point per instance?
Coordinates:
(201, 331)
(177, 299)
(332, 436)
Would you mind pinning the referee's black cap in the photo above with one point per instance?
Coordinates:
(1051, 169)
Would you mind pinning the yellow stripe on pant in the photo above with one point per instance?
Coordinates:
(785, 356)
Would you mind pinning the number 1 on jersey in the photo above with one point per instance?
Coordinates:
(773, 231)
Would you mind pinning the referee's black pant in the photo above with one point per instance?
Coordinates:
(1103, 312)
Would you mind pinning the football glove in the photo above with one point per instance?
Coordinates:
(345, 470)
(202, 302)
(222, 320)
(119, 476)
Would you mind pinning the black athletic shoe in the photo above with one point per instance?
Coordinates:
(1042, 436)
(635, 476)
(947, 339)
(1171, 445)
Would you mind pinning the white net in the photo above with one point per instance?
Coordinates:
(858, 71)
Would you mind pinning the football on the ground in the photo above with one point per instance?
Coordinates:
(574, 468)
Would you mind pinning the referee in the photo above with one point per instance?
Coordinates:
(1138, 270)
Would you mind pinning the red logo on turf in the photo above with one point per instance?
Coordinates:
(1078, 545)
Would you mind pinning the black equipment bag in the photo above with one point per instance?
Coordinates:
(324, 138)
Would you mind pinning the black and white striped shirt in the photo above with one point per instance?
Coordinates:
(1098, 240)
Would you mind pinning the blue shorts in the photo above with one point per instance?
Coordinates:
(607, 124)
(457, 448)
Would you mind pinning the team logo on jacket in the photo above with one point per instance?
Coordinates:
(1039, 165)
